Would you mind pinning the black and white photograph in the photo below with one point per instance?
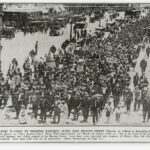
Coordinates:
(74, 64)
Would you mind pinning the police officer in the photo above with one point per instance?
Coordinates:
(144, 102)
(1, 96)
(148, 106)
(129, 97)
(57, 110)
(148, 51)
(85, 105)
(43, 108)
(75, 106)
(143, 65)
(35, 103)
(136, 80)
(95, 104)
(18, 101)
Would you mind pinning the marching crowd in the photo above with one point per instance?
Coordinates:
(69, 83)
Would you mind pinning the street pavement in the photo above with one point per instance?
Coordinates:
(132, 118)
(20, 46)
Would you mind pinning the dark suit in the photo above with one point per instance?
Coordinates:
(18, 102)
(95, 104)
(143, 65)
(85, 105)
(35, 105)
(43, 108)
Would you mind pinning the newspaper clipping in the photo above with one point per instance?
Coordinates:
(74, 73)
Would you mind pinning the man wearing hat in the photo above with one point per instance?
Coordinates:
(26, 97)
(75, 105)
(148, 51)
(136, 80)
(85, 105)
(137, 98)
(35, 103)
(128, 99)
(36, 48)
(1, 95)
(95, 104)
(117, 93)
(43, 108)
(70, 99)
(64, 112)
(143, 65)
(144, 97)
(57, 110)
(20, 97)
(148, 105)
(23, 115)
(5, 96)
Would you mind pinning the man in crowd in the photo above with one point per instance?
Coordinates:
(85, 106)
(95, 105)
(43, 109)
(143, 65)
(137, 99)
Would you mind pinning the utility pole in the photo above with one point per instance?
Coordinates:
(70, 29)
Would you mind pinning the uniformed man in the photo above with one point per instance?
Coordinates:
(35, 103)
(148, 51)
(43, 108)
(148, 105)
(95, 104)
(85, 105)
(129, 98)
(144, 102)
(143, 65)
(57, 110)
(36, 47)
(75, 105)
(136, 80)
(137, 99)
(18, 101)
(1, 96)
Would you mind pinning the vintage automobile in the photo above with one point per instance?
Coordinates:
(38, 25)
(80, 25)
(8, 32)
(78, 18)
(55, 29)
(99, 31)
(55, 32)
(133, 13)
(97, 15)
(92, 19)
(110, 26)
(62, 22)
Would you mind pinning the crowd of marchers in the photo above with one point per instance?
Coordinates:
(90, 81)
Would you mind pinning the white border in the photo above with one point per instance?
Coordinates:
(74, 1)
(74, 146)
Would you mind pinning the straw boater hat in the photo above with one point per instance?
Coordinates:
(111, 96)
(145, 88)
(70, 91)
(23, 107)
(63, 101)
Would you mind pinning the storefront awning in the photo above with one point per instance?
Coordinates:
(21, 10)
(57, 9)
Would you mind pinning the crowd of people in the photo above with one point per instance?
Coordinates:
(69, 83)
